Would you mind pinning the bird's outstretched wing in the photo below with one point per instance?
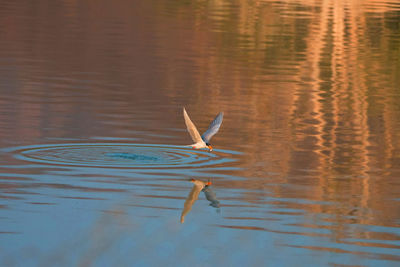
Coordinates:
(191, 128)
(213, 128)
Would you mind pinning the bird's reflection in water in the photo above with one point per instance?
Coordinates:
(194, 195)
(211, 196)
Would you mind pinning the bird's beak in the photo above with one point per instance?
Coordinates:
(209, 183)
(210, 148)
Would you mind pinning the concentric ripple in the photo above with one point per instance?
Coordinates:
(121, 155)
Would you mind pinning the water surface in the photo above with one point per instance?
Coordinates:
(306, 166)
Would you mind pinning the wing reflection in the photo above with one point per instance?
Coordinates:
(194, 195)
(211, 196)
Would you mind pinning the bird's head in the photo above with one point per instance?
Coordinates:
(209, 147)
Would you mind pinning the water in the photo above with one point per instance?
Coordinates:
(306, 166)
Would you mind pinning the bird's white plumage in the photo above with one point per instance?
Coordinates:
(201, 141)
(194, 133)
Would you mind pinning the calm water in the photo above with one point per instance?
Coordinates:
(306, 167)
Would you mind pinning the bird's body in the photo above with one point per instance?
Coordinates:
(202, 141)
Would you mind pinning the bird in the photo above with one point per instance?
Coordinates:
(203, 141)
(198, 186)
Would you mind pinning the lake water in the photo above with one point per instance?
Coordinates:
(306, 166)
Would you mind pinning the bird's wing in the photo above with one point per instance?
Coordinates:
(213, 128)
(191, 198)
(191, 128)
